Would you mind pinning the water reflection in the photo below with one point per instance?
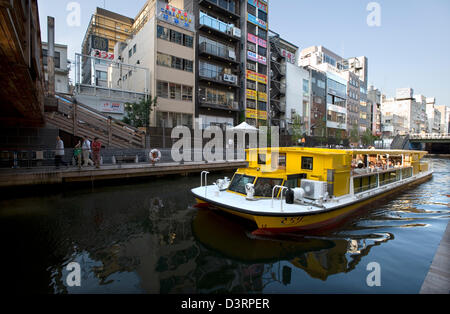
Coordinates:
(147, 238)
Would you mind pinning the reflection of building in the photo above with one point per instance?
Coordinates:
(62, 67)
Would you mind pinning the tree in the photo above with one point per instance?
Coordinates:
(138, 114)
(297, 132)
(368, 138)
(354, 134)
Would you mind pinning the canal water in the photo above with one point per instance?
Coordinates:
(148, 238)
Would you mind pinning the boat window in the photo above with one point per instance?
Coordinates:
(282, 161)
(239, 182)
(294, 181)
(264, 186)
(307, 163)
(261, 159)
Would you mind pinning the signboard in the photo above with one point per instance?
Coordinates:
(252, 56)
(99, 43)
(262, 60)
(290, 57)
(253, 76)
(251, 94)
(251, 113)
(262, 42)
(102, 54)
(175, 16)
(112, 107)
(262, 115)
(230, 78)
(259, 4)
(253, 19)
(261, 78)
(252, 38)
(236, 32)
(262, 96)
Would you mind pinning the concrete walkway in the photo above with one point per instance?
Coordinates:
(41, 176)
(438, 278)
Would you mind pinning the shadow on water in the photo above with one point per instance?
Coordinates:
(147, 238)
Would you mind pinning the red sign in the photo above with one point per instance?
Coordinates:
(102, 54)
(252, 38)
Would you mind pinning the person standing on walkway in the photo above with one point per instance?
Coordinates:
(77, 152)
(96, 147)
(59, 153)
(86, 147)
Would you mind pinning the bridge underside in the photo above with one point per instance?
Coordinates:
(21, 75)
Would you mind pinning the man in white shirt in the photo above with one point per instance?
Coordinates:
(59, 153)
(86, 148)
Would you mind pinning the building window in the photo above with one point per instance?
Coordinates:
(163, 33)
(251, 29)
(262, 51)
(57, 58)
(188, 66)
(251, 47)
(162, 89)
(174, 91)
(307, 163)
(101, 75)
(174, 62)
(130, 53)
(262, 15)
(305, 86)
(188, 41)
(163, 59)
(134, 49)
(262, 106)
(176, 37)
(262, 33)
(187, 93)
(251, 9)
(262, 88)
(251, 104)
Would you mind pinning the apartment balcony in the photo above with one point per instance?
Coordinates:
(219, 78)
(218, 53)
(219, 104)
(221, 8)
(219, 29)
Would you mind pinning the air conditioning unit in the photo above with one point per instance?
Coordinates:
(314, 189)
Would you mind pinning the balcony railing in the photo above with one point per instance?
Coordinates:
(217, 51)
(228, 79)
(220, 26)
(227, 104)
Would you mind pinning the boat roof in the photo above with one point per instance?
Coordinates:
(331, 151)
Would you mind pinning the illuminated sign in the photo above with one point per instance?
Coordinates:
(175, 16)
(261, 78)
(262, 60)
(262, 115)
(251, 94)
(252, 38)
(262, 42)
(253, 19)
(252, 56)
(102, 54)
(252, 75)
(259, 4)
(251, 113)
(290, 57)
(262, 96)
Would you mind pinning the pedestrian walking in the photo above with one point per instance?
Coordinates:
(77, 154)
(86, 148)
(59, 153)
(96, 147)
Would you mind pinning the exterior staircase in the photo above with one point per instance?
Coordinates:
(81, 120)
(400, 142)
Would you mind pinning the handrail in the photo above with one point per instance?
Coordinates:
(205, 173)
(283, 188)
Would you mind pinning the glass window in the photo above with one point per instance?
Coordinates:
(264, 186)
(163, 59)
(101, 75)
(251, 47)
(238, 183)
(162, 89)
(188, 65)
(262, 106)
(163, 33)
(130, 53)
(176, 37)
(177, 63)
(251, 9)
(307, 163)
(188, 41)
(134, 49)
(262, 51)
(187, 93)
(262, 15)
(262, 33)
(174, 91)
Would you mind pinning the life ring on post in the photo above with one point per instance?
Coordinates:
(155, 156)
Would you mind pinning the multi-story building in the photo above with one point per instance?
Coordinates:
(374, 99)
(105, 29)
(433, 115)
(62, 67)
(163, 42)
(281, 52)
(318, 112)
(407, 106)
(444, 123)
(218, 54)
(393, 124)
(346, 88)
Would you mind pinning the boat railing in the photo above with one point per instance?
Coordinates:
(371, 180)
(204, 174)
(283, 188)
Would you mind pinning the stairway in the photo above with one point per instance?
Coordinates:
(400, 142)
(81, 120)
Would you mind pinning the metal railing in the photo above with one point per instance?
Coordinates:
(434, 136)
(219, 76)
(221, 52)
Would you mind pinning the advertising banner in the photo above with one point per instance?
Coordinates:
(253, 76)
(251, 94)
(252, 56)
(251, 113)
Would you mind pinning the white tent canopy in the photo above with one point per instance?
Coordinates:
(244, 126)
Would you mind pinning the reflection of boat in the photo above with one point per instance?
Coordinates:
(320, 186)
(320, 258)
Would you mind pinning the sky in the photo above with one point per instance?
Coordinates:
(409, 48)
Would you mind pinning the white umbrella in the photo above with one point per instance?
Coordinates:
(244, 126)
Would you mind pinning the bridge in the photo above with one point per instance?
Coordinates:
(429, 138)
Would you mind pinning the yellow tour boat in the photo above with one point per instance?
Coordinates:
(297, 189)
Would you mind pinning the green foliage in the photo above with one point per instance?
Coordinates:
(354, 134)
(368, 138)
(138, 114)
(297, 132)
